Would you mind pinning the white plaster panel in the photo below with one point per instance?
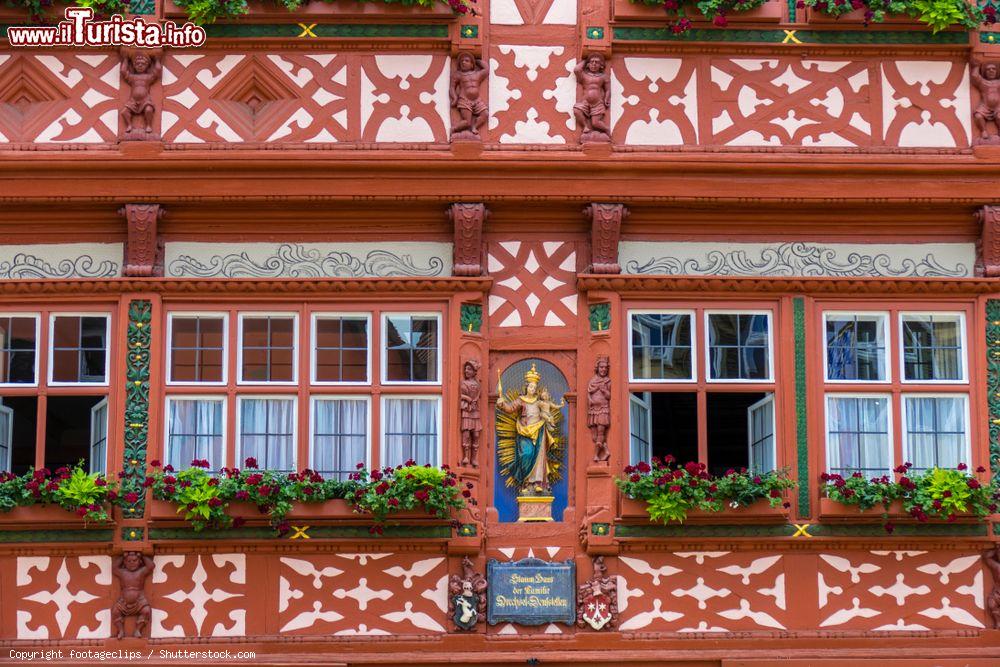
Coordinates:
(61, 260)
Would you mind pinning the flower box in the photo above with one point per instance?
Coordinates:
(856, 19)
(329, 510)
(49, 516)
(772, 11)
(634, 511)
(831, 510)
(265, 9)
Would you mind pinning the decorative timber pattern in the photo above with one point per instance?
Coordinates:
(993, 380)
(200, 595)
(62, 597)
(137, 359)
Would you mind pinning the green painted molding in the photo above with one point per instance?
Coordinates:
(137, 358)
(874, 530)
(801, 414)
(706, 530)
(900, 530)
(313, 532)
(993, 381)
(57, 535)
(791, 36)
(329, 30)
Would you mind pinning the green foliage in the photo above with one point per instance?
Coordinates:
(671, 492)
(680, 12)
(938, 14)
(861, 491)
(209, 11)
(105, 7)
(73, 489)
(382, 493)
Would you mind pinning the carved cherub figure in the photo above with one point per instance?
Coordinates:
(131, 569)
(140, 69)
(472, 423)
(466, 96)
(599, 408)
(591, 113)
(992, 560)
(986, 78)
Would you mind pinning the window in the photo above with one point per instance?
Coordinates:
(411, 430)
(197, 348)
(936, 433)
(411, 348)
(267, 432)
(6, 436)
(932, 347)
(858, 437)
(194, 431)
(340, 349)
(79, 349)
(99, 436)
(855, 347)
(661, 346)
(723, 415)
(18, 349)
(339, 435)
(739, 346)
(267, 348)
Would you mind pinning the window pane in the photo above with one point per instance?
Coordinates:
(79, 351)
(65, 366)
(661, 346)
(267, 432)
(341, 349)
(411, 348)
(855, 347)
(268, 353)
(410, 426)
(17, 349)
(858, 435)
(738, 347)
(339, 436)
(197, 349)
(932, 347)
(935, 431)
(194, 431)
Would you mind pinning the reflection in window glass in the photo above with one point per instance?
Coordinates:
(855, 347)
(18, 349)
(411, 348)
(932, 347)
(661, 346)
(738, 347)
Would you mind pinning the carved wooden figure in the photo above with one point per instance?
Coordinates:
(597, 599)
(986, 78)
(592, 113)
(599, 408)
(467, 597)
(131, 568)
(140, 69)
(472, 423)
(992, 560)
(466, 96)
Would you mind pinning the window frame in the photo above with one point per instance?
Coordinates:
(770, 379)
(384, 349)
(369, 418)
(107, 347)
(890, 425)
(244, 314)
(37, 316)
(693, 314)
(768, 400)
(963, 349)
(438, 398)
(220, 398)
(888, 343)
(238, 426)
(168, 363)
(967, 412)
(314, 317)
(103, 403)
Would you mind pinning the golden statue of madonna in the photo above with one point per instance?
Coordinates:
(530, 445)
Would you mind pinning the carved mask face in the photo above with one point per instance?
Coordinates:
(131, 562)
(140, 63)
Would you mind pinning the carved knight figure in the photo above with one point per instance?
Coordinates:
(986, 78)
(599, 408)
(534, 411)
(466, 96)
(140, 70)
(597, 599)
(472, 423)
(591, 114)
(131, 569)
(467, 597)
(992, 560)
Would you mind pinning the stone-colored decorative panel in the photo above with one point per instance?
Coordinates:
(533, 12)
(705, 591)
(404, 98)
(63, 598)
(925, 103)
(532, 93)
(654, 102)
(58, 98)
(257, 97)
(199, 595)
(61, 260)
(900, 591)
(363, 594)
(930, 260)
(534, 284)
(307, 260)
(790, 102)
(548, 553)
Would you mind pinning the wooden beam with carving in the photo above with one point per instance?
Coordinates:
(988, 245)
(468, 219)
(605, 231)
(143, 252)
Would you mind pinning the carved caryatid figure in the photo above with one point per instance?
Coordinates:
(535, 414)
(591, 113)
(986, 78)
(599, 408)
(131, 569)
(597, 599)
(992, 560)
(472, 423)
(467, 597)
(140, 69)
(466, 96)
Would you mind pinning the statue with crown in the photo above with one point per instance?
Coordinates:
(530, 445)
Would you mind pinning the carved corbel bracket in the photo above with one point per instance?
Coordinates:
(988, 245)
(605, 230)
(469, 220)
(143, 250)
(467, 35)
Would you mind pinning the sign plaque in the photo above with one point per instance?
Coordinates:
(531, 592)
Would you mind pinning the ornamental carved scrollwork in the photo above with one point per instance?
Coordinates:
(469, 220)
(988, 245)
(605, 231)
(143, 251)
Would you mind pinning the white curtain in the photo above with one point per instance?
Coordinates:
(195, 432)
(935, 431)
(267, 428)
(411, 431)
(340, 428)
(858, 435)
